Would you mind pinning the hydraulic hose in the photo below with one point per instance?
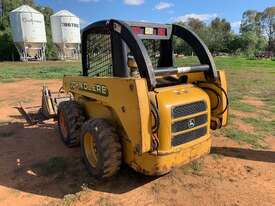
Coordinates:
(217, 95)
(156, 116)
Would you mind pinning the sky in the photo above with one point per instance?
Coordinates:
(158, 11)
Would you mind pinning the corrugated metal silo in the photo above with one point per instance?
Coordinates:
(66, 34)
(29, 34)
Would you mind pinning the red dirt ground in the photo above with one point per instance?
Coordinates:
(30, 171)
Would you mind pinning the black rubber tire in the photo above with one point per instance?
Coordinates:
(108, 148)
(74, 117)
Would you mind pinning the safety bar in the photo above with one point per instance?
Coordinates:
(163, 71)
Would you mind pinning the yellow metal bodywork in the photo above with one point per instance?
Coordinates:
(200, 81)
(167, 157)
(126, 103)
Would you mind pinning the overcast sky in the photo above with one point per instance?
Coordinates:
(158, 11)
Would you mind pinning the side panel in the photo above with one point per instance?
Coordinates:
(220, 113)
(223, 84)
(219, 87)
(128, 98)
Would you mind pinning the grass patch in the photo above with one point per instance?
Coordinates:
(105, 201)
(271, 109)
(69, 199)
(270, 102)
(194, 167)
(261, 125)
(54, 166)
(187, 61)
(252, 139)
(156, 188)
(11, 71)
(235, 63)
(238, 105)
(216, 156)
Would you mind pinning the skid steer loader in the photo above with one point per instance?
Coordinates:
(133, 105)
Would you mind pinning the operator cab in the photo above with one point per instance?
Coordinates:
(146, 50)
(114, 48)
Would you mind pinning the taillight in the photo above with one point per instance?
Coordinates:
(162, 32)
(136, 29)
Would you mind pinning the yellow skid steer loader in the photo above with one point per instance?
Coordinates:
(133, 105)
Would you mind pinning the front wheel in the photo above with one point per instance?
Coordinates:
(100, 148)
(70, 117)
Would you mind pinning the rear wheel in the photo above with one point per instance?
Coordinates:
(70, 118)
(100, 148)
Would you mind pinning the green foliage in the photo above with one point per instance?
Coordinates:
(268, 26)
(219, 38)
(51, 50)
(7, 48)
(198, 27)
(251, 33)
(220, 35)
(255, 27)
(251, 22)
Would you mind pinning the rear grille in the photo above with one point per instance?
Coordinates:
(186, 124)
(189, 136)
(189, 123)
(188, 109)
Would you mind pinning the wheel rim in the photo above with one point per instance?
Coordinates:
(90, 149)
(63, 125)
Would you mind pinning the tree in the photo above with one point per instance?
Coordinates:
(251, 22)
(9, 5)
(268, 26)
(253, 40)
(219, 35)
(51, 50)
(235, 44)
(196, 25)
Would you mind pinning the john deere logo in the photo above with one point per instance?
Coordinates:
(93, 88)
(191, 123)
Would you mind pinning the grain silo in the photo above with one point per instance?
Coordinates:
(66, 34)
(29, 34)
